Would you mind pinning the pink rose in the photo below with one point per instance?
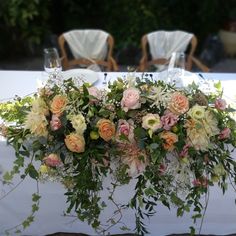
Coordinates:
(168, 120)
(225, 133)
(55, 123)
(96, 93)
(130, 100)
(126, 128)
(220, 104)
(52, 160)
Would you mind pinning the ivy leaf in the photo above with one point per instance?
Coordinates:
(32, 172)
(7, 177)
(35, 197)
(25, 224)
(192, 230)
(35, 208)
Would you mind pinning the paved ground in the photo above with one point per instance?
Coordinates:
(227, 65)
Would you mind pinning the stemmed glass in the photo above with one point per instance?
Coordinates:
(180, 63)
(176, 66)
(52, 63)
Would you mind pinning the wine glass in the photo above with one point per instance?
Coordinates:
(180, 63)
(176, 66)
(52, 62)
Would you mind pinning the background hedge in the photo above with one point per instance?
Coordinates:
(28, 25)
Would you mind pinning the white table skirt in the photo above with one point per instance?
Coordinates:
(220, 216)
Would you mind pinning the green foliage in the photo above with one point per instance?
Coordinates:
(127, 20)
(15, 111)
(23, 24)
(124, 134)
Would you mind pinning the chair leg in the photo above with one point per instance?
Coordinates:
(200, 65)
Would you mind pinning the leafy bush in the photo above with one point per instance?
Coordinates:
(22, 25)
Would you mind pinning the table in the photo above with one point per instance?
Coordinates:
(221, 212)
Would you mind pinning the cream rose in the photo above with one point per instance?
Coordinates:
(58, 104)
(75, 142)
(78, 123)
(106, 129)
(152, 122)
(131, 99)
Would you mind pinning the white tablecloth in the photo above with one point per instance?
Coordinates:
(220, 217)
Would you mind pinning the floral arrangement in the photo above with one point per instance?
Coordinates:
(173, 142)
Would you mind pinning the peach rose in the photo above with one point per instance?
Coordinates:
(179, 103)
(130, 100)
(75, 142)
(106, 129)
(169, 140)
(220, 104)
(58, 104)
(52, 160)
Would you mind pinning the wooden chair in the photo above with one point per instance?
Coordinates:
(68, 61)
(147, 60)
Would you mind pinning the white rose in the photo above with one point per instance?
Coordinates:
(78, 123)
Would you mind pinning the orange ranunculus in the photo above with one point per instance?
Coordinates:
(58, 104)
(170, 139)
(75, 142)
(106, 129)
(179, 103)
